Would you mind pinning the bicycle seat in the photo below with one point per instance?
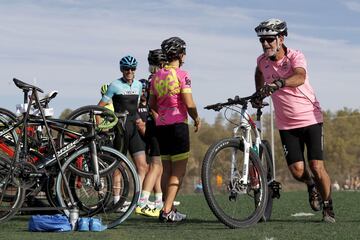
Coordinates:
(25, 86)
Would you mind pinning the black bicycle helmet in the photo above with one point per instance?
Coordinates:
(156, 57)
(271, 27)
(173, 47)
(145, 83)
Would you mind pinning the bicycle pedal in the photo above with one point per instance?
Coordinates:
(275, 187)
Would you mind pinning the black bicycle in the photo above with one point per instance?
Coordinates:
(85, 166)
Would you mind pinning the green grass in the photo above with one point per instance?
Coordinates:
(203, 225)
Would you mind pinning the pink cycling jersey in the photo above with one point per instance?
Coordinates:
(295, 107)
(167, 85)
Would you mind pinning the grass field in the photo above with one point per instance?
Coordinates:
(203, 225)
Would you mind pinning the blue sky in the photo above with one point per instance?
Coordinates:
(74, 46)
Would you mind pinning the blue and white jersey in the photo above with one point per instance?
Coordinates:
(125, 96)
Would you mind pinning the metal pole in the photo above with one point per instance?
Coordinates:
(272, 130)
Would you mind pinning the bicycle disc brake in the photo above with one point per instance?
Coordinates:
(236, 187)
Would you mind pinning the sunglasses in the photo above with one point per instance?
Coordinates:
(128, 69)
(268, 40)
(184, 51)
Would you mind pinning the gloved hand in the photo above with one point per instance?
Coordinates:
(269, 89)
(257, 102)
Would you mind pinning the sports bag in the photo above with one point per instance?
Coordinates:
(49, 223)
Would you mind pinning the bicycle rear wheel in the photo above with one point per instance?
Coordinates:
(7, 141)
(7, 113)
(11, 195)
(88, 114)
(130, 194)
(235, 204)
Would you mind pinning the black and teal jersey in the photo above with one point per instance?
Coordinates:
(125, 96)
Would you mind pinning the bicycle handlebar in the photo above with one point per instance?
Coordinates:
(238, 101)
(109, 120)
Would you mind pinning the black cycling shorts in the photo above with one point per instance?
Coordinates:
(133, 142)
(174, 141)
(295, 140)
(152, 144)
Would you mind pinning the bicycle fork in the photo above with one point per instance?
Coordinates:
(238, 183)
(95, 165)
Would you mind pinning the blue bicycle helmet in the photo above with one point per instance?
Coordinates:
(128, 62)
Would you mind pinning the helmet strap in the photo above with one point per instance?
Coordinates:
(181, 62)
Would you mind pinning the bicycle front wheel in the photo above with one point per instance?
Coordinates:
(267, 163)
(234, 203)
(98, 200)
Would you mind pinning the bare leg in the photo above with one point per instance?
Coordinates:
(301, 173)
(153, 174)
(141, 165)
(117, 185)
(322, 178)
(178, 169)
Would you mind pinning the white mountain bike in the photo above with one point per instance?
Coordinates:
(238, 173)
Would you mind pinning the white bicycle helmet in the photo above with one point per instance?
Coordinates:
(271, 27)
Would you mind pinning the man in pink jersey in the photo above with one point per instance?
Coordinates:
(282, 73)
(171, 97)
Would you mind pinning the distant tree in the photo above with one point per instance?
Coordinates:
(65, 113)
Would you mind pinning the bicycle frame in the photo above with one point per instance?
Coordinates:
(57, 124)
(21, 149)
(243, 131)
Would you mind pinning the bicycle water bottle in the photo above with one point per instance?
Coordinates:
(73, 217)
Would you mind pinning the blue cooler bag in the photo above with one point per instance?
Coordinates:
(49, 223)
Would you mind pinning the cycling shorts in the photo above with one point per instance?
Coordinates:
(131, 138)
(174, 141)
(152, 144)
(295, 140)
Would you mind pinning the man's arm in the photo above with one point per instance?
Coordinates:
(102, 104)
(259, 79)
(297, 79)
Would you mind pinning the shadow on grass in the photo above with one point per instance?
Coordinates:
(153, 223)
(291, 220)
